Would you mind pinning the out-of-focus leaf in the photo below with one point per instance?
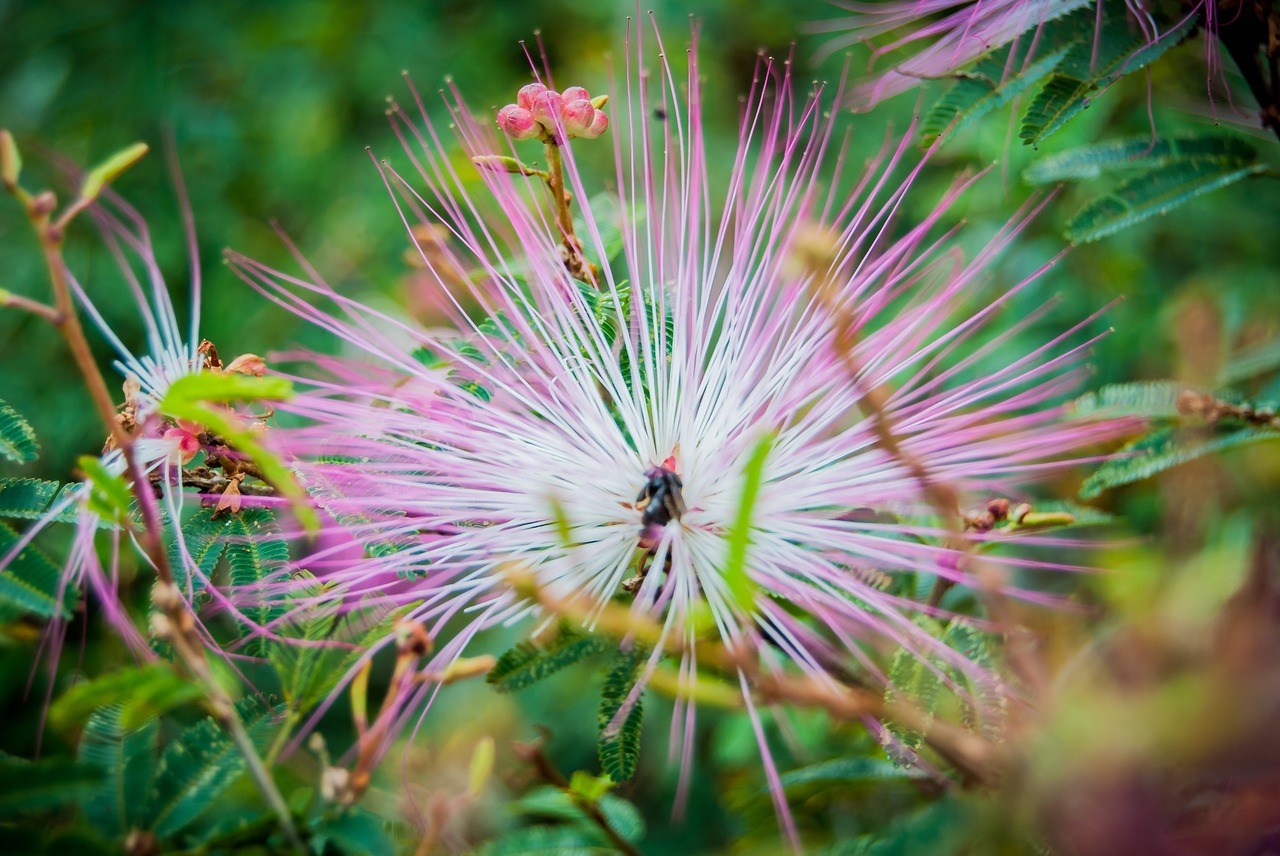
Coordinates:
(1144, 398)
(109, 495)
(356, 833)
(17, 437)
(126, 757)
(198, 398)
(1163, 449)
(551, 802)
(566, 840)
(527, 663)
(197, 767)
(1138, 154)
(141, 693)
(31, 583)
(848, 771)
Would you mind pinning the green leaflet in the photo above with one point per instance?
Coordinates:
(141, 694)
(126, 757)
(17, 437)
(355, 832)
(1250, 363)
(848, 771)
(551, 802)
(197, 767)
(987, 88)
(1088, 67)
(32, 499)
(1143, 398)
(202, 538)
(1154, 193)
(255, 553)
(31, 583)
(1136, 154)
(527, 663)
(1164, 449)
(308, 674)
(620, 753)
(936, 685)
(545, 841)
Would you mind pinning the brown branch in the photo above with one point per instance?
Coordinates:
(208, 481)
(35, 307)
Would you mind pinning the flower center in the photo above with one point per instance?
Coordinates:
(660, 500)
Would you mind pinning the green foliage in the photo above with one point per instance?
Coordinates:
(354, 833)
(136, 695)
(545, 841)
(554, 803)
(109, 495)
(309, 673)
(1138, 154)
(256, 552)
(849, 772)
(1163, 449)
(27, 786)
(17, 437)
(197, 767)
(31, 583)
(1153, 193)
(1089, 67)
(620, 751)
(33, 499)
(984, 90)
(527, 663)
(936, 686)
(126, 756)
(1144, 398)
(202, 538)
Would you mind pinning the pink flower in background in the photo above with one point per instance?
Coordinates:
(602, 437)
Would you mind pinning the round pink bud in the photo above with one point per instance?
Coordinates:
(578, 116)
(518, 123)
(575, 93)
(546, 109)
(525, 96)
(599, 124)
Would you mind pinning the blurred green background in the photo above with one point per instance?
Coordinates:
(273, 104)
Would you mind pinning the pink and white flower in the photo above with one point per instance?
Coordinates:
(600, 437)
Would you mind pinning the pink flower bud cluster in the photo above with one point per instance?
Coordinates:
(538, 110)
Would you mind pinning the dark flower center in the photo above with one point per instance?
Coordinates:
(660, 500)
